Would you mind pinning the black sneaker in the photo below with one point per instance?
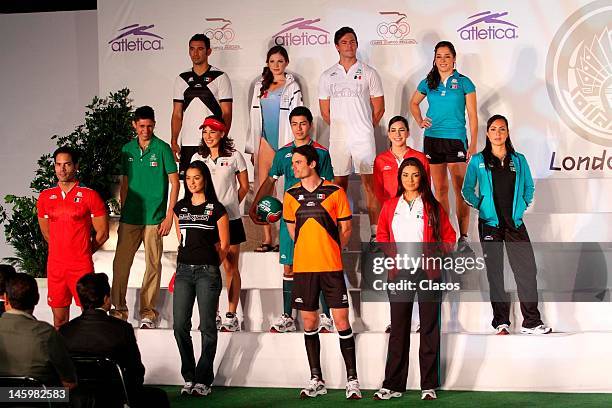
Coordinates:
(463, 247)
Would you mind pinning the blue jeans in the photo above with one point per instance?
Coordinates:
(203, 282)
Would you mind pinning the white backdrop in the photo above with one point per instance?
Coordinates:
(49, 74)
(509, 73)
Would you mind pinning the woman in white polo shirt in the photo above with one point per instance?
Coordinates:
(229, 175)
(414, 215)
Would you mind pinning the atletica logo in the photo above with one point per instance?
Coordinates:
(488, 26)
(135, 37)
(579, 72)
(222, 35)
(300, 31)
(395, 31)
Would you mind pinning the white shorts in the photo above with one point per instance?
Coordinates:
(352, 155)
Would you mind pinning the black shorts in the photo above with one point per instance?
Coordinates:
(307, 287)
(439, 150)
(187, 153)
(236, 231)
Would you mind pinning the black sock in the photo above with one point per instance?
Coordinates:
(347, 347)
(287, 287)
(313, 351)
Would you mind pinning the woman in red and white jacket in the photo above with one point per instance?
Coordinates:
(387, 163)
(414, 215)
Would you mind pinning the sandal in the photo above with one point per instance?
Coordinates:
(264, 248)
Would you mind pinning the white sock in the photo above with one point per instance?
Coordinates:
(373, 229)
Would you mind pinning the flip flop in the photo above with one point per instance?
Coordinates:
(264, 248)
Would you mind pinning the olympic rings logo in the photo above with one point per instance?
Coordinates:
(222, 35)
(393, 30)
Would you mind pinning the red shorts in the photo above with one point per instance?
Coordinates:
(61, 284)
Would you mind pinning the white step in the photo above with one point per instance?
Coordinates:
(259, 308)
(552, 363)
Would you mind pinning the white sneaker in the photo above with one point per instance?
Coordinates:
(230, 323)
(385, 394)
(186, 390)
(146, 323)
(218, 321)
(315, 387)
(326, 324)
(352, 390)
(541, 329)
(284, 324)
(502, 330)
(428, 395)
(200, 390)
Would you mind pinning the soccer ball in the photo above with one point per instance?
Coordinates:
(269, 209)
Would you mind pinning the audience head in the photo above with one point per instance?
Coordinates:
(93, 290)
(22, 292)
(6, 273)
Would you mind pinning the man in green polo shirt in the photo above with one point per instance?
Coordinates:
(147, 164)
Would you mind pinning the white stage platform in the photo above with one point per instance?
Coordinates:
(575, 358)
(558, 362)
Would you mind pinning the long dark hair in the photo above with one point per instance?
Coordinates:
(266, 75)
(209, 188)
(226, 144)
(433, 77)
(486, 152)
(432, 206)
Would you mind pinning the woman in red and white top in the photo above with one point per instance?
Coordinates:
(229, 176)
(387, 163)
(414, 215)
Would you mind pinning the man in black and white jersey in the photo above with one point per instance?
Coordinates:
(198, 93)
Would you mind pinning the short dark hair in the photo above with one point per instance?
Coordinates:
(301, 111)
(74, 155)
(310, 153)
(22, 292)
(91, 289)
(6, 273)
(342, 32)
(201, 37)
(144, 112)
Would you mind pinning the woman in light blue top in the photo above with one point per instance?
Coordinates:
(449, 95)
(274, 97)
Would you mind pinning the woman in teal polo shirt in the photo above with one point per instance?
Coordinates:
(449, 95)
(505, 190)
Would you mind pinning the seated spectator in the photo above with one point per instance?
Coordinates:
(95, 333)
(6, 273)
(29, 347)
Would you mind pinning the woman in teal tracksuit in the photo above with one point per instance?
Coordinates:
(505, 190)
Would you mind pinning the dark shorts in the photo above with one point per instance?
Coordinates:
(187, 153)
(439, 150)
(236, 231)
(307, 287)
